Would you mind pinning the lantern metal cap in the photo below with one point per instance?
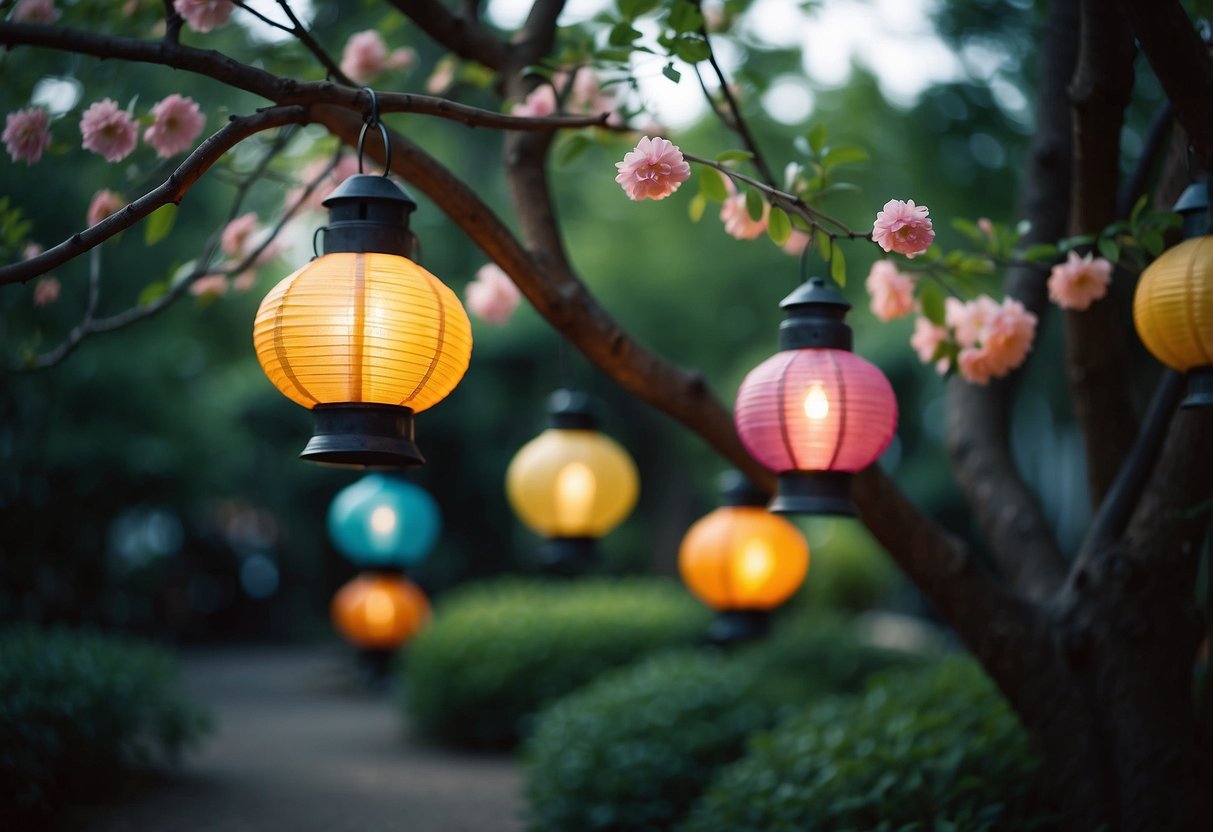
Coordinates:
(1200, 388)
(364, 434)
(572, 410)
(369, 213)
(732, 626)
(1193, 206)
(816, 318)
(814, 492)
(736, 489)
(568, 556)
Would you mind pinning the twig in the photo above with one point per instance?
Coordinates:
(305, 37)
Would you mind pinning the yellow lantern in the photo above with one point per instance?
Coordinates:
(571, 484)
(742, 561)
(363, 336)
(1173, 305)
(379, 610)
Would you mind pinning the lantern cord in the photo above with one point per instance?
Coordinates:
(372, 120)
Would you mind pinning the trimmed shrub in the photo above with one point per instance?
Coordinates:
(496, 652)
(80, 711)
(933, 749)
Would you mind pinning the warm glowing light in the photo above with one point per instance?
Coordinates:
(575, 490)
(383, 520)
(380, 611)
(754, 565)
(816, 403)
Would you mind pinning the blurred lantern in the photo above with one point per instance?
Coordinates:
(742, 561)
(362, 335)
(1173, 306)
(379, 610)
(571, 484)
(383, 520)
(815, 412)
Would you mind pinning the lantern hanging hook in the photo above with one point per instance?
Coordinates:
(372, 120)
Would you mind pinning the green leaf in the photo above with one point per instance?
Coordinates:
(1074, 242)
(838, 267)
(1152, 242)
(754, 204)
(669, 72)
(734, 156)
(1109, 249)
(159, 224)
(152, 292)
(817, 138)
(711, 184)
(970, 230)
(1039, 253)
(632, 9)
(685, 17)
(692, 49)
(930, 297)
(844, 156)
(622, 34)
(698, 204)
(779, 226)
(822, 242)
(573, 147)
(1138, 207)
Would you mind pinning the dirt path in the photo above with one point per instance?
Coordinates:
(301, 747)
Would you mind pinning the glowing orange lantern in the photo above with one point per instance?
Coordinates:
(379, 610)
(742, 561)
(1173, 305)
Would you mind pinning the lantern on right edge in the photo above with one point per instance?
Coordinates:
(1173, 305)
(815, 413)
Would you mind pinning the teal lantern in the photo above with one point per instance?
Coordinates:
(384, 522)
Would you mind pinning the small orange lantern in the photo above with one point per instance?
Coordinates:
(742, 561)
(1173, 305)
(379, 610)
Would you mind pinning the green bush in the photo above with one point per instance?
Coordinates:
(79, 711)
(496, 652)
(934, 749)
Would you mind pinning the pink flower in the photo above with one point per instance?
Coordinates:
(737, 220)
(540, 103)
(986, 227)
(968, 320)
(346, 167)
(442, 77)
(209, 284)
(35, 11)
(797, 242)
(653, 170)
(245, 280)
(586, 94)
(104, 203)
(178, 123)
(492, 296)
(892, 292)
(926, 340)
(236, 235)
(402, 58)
(27, 134)
(364, 56)
(31, 250)
(46, 291)
(109, 131)
(1079, 281)
(1003, 338)
(204, 15)
(903, 227)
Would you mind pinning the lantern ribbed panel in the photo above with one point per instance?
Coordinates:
(363, 327)
(1173, 305)
(572, 483)
(854, 411)
(379, 612)
(743, 558)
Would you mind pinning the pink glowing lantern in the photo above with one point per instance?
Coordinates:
(815, 413)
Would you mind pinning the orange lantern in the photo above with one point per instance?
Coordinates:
(742, 561)
(1173, 305)
(379, 610)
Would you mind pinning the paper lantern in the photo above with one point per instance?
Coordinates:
(383, 520)
(379, 610)
(815, 413)
(1173, 304)
(742, 561)
(572, 483)
(363, 336)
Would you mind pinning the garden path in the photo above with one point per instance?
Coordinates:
(301, 746)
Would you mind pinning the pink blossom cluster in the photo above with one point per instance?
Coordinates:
(104, 203)
(366, 57)
(204, 15)
(653, 170)
(178, 122)
(27, 134)
(35, 11)
(539, 103)
(736, 217)
(492, 296)
(112, 133)
(1080, 281)
(993, 338)
(903, 227)
(892, 291)
(239, 240)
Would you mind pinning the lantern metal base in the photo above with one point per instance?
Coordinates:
(732, 626)
(814, 492)
(364, 434)
(569, 556)
(1200, 388)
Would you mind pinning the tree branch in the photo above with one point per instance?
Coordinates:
(1096, 353)
(463, 35)
(538, 34)
(735, 121)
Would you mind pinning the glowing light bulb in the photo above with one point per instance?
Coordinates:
(380, 611)
(383, 521)
(816, 403)
(755, 564)
(576, 488)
